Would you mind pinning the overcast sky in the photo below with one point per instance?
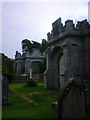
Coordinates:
(33, 20)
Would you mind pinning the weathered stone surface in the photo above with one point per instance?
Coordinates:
(72, 102)
(68, 57)
(73, 42)
(26, 62)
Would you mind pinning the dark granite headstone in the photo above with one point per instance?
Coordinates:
(72, 102)
(5, 91)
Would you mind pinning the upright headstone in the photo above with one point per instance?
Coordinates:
(5, 91)
(72, 102)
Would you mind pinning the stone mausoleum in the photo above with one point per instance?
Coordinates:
(68, 53)
(29, 64)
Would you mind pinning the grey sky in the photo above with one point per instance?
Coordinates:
(33, 20)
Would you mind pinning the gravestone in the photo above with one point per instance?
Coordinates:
(5, 91)
(72, 102)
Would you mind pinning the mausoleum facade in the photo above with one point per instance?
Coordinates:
(68, 53)
(27, 63)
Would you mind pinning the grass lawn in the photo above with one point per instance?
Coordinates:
(32, 102)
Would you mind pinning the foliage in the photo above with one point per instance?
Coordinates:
(28, 45)
(36, 45)
(7, 65)
(44, 45)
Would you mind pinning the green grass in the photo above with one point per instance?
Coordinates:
(41, 107)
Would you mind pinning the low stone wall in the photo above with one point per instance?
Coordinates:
(20, 78)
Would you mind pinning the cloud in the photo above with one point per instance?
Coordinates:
(34, 20)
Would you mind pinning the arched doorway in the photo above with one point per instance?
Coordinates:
(35, 66)
(37, 70)
(57, 66)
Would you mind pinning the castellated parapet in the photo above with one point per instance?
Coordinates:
(59, 31)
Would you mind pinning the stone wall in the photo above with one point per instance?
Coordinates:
(71, 41)
(23, 63)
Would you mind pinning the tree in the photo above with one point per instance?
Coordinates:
(7, 67)
(44, 45)
(27, 45)
(36, 44)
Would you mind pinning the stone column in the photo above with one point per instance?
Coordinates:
(50, 83)
(75, 62)
(72, 56)
(67, 60)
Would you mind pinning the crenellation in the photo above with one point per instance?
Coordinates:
(69, 26)
(57, 23)
(69, 23)
(78, 25)
(55, 27)
(58, 30)
(82, 26)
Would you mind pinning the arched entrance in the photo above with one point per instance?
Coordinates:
(35, 66)
(36, 69)
(58, 66)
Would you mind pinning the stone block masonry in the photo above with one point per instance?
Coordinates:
(68, 53)
(68, 65)
(26, 63)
